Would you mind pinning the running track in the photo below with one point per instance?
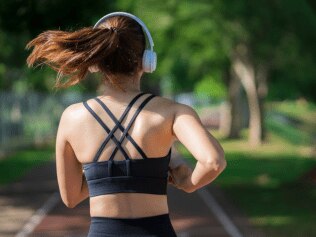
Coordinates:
(198, 214)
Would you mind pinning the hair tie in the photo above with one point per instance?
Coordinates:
(113, 29)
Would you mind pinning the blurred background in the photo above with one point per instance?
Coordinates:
(247, 67)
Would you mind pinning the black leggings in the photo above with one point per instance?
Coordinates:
(153, 226)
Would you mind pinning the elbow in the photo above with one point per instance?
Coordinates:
(190, 190)
(217, 163)
(69, 203)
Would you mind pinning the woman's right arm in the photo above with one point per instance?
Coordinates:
(189, 130)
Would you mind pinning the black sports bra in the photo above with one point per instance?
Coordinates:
(147, 175)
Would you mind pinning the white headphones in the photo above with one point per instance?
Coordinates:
(149, 62)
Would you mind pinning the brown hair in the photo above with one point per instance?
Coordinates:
(115, 47)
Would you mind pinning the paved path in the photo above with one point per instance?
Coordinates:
(190, 214)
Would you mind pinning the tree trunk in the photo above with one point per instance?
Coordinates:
(233, 122)
(244, 69)
(262, 76)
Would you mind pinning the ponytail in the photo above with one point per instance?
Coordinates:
(113, 50)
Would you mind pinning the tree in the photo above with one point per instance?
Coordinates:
(243, 47)
(258, 30)
(205, 38)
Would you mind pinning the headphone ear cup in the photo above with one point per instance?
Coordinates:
(149, 61)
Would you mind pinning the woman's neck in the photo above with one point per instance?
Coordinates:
(129, 85)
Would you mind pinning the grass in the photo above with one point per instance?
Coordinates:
(16, 165)
(293, 134)
(266, 182)
(300, 111)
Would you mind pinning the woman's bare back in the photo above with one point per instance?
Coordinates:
(152, 131)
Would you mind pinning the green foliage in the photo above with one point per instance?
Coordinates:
(16, 165)
(280, 35)
(192, 39)
(181, 53)
(210, 86)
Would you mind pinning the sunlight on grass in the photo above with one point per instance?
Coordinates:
(273, 146)
(302, 111)
(272, 220)
(294, 135)
(299, 109)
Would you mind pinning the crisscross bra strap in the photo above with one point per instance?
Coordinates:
(111, 132)
(142, 105)
(105, 128)
(118, 125)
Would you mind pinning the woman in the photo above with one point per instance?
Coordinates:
(115, 148)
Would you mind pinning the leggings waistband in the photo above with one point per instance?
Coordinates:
(147, 218)
(159, 225)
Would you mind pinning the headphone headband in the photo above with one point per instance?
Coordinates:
(139, 21)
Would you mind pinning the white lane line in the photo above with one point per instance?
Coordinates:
(220, 214)
(212, 204)
(39, 215)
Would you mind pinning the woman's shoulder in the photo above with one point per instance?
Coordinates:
(73, 112)
(175, 106)
(170, 106)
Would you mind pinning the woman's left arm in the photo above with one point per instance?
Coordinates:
(71, 181)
